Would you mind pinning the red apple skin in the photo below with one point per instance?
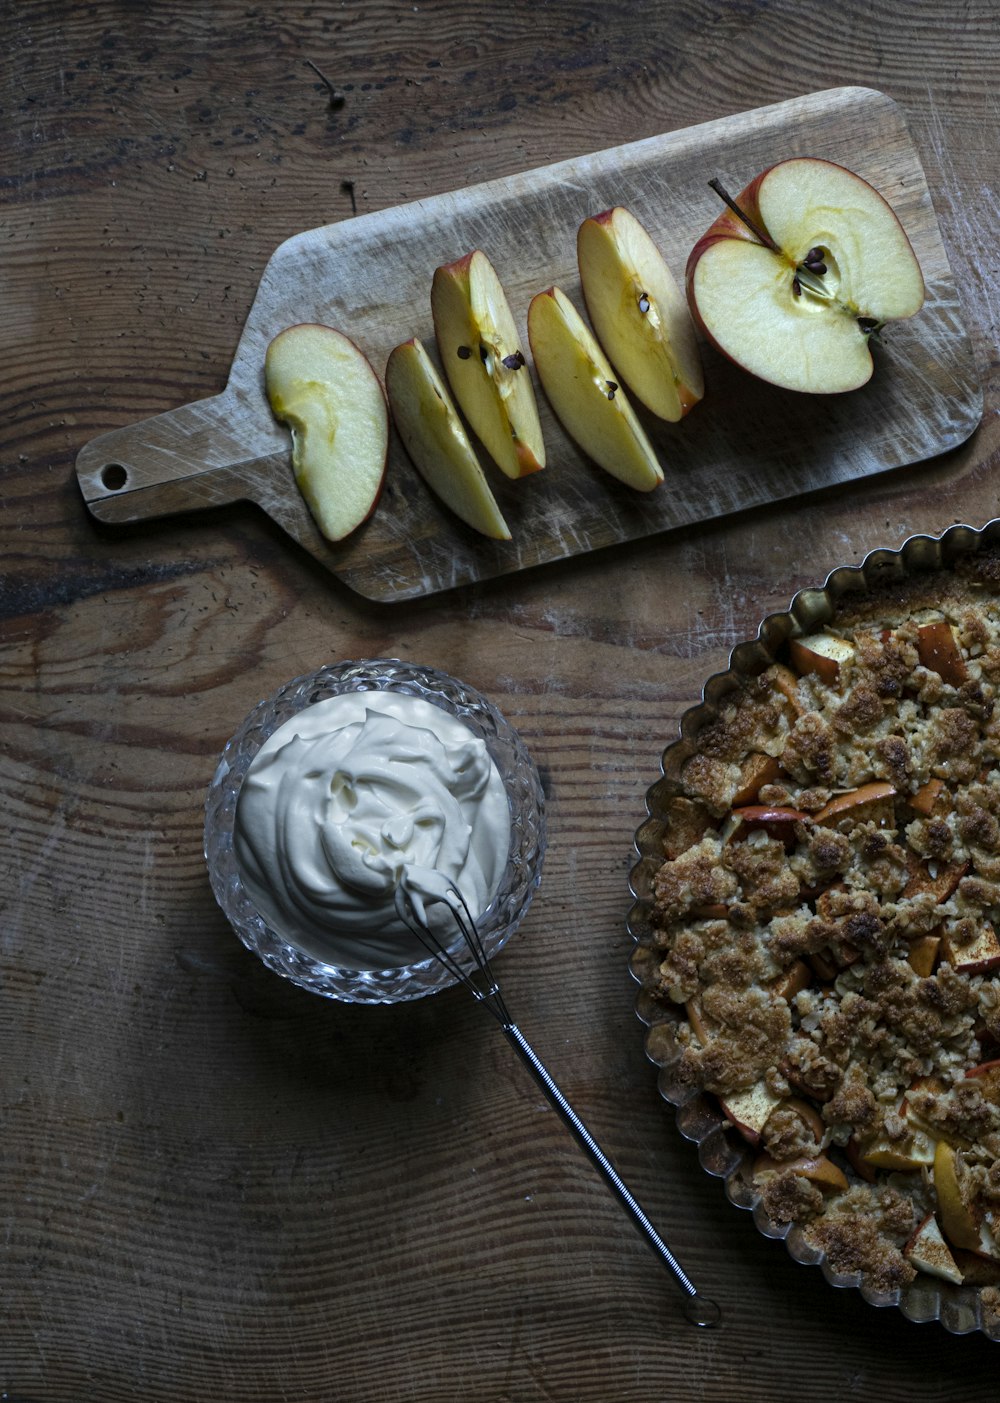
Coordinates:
(777, 822)
(875, 792)
(805, 661)
(939, 652)
(728, 225)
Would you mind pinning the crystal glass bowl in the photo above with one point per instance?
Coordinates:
(527, 827)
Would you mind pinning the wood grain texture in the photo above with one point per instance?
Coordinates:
(746, 445)
(210, 1184)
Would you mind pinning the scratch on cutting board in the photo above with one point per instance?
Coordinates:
(976, 219)
(28, 878)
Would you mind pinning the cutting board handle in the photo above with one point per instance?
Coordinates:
(204, 454)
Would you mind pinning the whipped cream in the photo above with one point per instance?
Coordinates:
(353, 796)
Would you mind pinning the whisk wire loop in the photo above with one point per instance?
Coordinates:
(482, 984)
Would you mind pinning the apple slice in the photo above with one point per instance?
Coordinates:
(817, 1168)
(927, 1250)
(822, 653)
(479, 345)
(756, 770)
(435, 439)
(939, 879)
(922, 954)
(871, 801)
(938, 651)
(639, 313)
(793, 278)
(981, 956)
(787, 683)
(777, 822)
(323, 387)
(960, 1224)
(791, 981)
(930, 798)
(915, 1152)
(697, 1020)
(749, 1110)
(582, 388)
(921, 1124)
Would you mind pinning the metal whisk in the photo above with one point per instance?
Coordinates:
(483, 986)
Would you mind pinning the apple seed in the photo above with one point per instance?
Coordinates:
(464, 353)
(612, 386)
(513, 361)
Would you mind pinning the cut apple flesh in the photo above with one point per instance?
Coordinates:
(960, 1225)
(928, 1251)
(816, 1168)
(750, 1110)
(914, 1152)
(980, 956)
(479, 346)
(769, 307)
(584, 392)
(821, 653)
(639, 313)
(322, 386)
(436, 440)
(922, 954)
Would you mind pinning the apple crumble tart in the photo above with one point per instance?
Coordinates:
(826, 920)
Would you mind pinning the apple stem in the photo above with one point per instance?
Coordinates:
(336, 99)
(755, 229)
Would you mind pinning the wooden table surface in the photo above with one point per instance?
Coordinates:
(214, 1185)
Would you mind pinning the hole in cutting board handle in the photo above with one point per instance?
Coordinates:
(114, 476)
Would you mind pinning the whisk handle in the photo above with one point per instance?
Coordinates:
(699, 1310)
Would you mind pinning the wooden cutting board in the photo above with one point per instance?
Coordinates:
(745, 445)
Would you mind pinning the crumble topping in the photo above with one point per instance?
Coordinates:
(827, 915)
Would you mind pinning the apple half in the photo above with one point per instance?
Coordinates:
(485, 366)
(639, 313)
(323, 387)
(435, 438)
(795, 276)
(582, 389)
